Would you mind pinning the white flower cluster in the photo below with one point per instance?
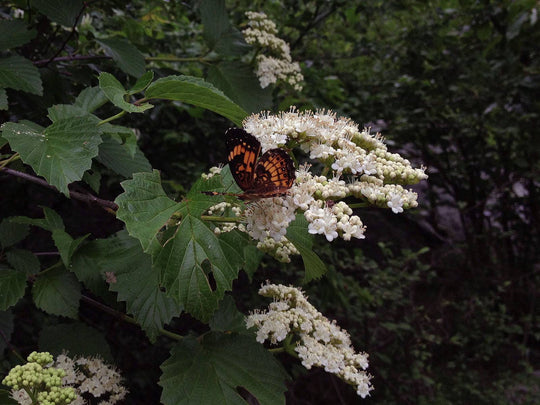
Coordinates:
(261, 32)
(212, 172)
(92, 376)
(319, 342)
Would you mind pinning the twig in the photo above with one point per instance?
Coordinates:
(109, 205)
(69, 58)
(73, 30)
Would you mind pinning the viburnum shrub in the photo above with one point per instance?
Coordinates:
(311, 172)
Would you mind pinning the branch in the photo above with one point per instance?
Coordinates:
(73, 30)
(69, 58)
(89, 198)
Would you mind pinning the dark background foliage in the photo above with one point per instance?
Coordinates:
(443, 298)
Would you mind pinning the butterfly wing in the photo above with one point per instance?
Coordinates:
(274, 174)
(242, 152)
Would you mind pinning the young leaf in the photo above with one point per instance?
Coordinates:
(11, 232)
(142, 83)
(12, 286)
(76, 338)
(19, 73)
(116, 93)
(223, 362)
(61, 153)
(90, 99)
(144, 207)
(128, 57)
(239, 83)
(117, 157)
(303, 241)
(196, 91)
(64, 12)
(14, 33)
(57, 292)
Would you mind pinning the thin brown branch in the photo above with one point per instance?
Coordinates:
(89, 198)
(69, 58)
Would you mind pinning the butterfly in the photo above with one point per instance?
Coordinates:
(270, 175)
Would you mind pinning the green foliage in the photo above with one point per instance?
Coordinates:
(223, 362)
(129, 104)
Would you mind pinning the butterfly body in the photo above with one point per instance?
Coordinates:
(270, 175)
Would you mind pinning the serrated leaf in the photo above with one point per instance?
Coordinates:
(192, 260)
(224, 362)
(196, 91)
(135, 281)
(240, 84)
(117, 157)
(11, 232)
(57, 292)
(63, 12)
(90, 99)
(227, 318)
(13, 33)
(3, 105)
(6, 326)
(298, 235)
(19, 73)
(64, 111)
(144, 207)
(123, 52)
(116, 93)
(142, 82)
(218, 32)
(23, 260)
(124, 135)
(12, 286)
(75, 338)
(61, 153)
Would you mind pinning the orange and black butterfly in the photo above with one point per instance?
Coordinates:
(270, 175)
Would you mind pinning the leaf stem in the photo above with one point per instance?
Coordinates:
(12, 158)
(114, 117)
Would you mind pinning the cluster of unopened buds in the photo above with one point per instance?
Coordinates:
(276, 62)
(354, 164)
(317, 341)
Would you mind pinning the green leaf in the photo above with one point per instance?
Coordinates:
(240, 84)
(65, 111)
(11, 232)
(57, 292)
(298, 235)
(227, 318)
(144, 207)
(93, 179)
(116, 93)
(12, 286)
(195, 259)
(224, 362)
(6, 326)
(3, 103)
(90, 99)
(61, 153)
(128, 57)
(13, 33)
(130, 275)
(218, 32)
(142, 83)
(76, 338)
(66, 244)
(64, 12)
(19, 73)
(23, 260)
(117, 157)
(196, 91)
